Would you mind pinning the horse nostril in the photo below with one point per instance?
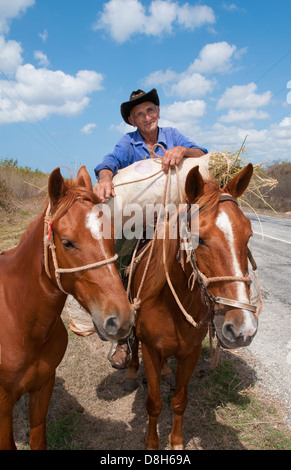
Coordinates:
(228, 331)
(111, 326)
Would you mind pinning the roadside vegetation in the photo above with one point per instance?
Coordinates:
(275, 196)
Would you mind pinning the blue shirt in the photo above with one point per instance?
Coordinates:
(132, 148)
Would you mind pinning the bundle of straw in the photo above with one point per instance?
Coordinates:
(224, 166)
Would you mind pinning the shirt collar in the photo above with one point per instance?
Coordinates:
(138, 140)
(162, 137)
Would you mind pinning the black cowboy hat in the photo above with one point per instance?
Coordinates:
(138, 97)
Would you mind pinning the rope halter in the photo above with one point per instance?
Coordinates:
(49, 245)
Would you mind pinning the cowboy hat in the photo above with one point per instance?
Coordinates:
(138, 97)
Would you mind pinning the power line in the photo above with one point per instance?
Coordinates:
(51, 140)
(273, 66)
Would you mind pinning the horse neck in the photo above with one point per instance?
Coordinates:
(27, 263)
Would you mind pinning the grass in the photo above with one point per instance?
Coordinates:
(59, 432)
(227, 411)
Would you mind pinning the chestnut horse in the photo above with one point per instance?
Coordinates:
(219, 265)
(60, 253)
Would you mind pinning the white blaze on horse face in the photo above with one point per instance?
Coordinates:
(99, 228)
(224, 224)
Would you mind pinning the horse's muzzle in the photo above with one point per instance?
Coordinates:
(112, 328)
(233, 333)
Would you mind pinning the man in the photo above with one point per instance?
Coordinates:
(141, 111)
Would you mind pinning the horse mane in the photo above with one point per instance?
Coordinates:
(71, 193)
(208, 202)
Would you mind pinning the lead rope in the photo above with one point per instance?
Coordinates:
(136, 300)
(49, 245)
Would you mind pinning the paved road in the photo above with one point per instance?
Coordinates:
(272, 345)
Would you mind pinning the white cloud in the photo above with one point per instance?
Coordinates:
(192, 85)
(221, 138)
(184, 110)
(10, 9)
(214, 58)
(88, 128)
(243, 115)
(10, 56)
(160, 78)
(38, 93)
(121, 128)
(282, 130)
(230, 7)
(124, 18)
(243, 96)
(41, 58)
(28, 93)
(183, 115)
(43, 35)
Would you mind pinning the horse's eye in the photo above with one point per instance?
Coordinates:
(67, 244)
(201, 241)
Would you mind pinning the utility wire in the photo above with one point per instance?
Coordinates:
(45, 134)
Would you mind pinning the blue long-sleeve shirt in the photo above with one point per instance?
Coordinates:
(132, 148)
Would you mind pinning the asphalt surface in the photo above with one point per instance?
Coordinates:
(271, 348)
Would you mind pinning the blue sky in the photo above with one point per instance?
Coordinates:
(222, 69)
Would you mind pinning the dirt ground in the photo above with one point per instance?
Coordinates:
(90, 391)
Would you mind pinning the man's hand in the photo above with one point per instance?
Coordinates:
(104, 188)
(173, 156)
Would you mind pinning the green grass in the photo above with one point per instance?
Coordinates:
(234, 414)
(60, 432)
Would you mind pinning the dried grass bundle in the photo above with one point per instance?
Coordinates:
(224, 166)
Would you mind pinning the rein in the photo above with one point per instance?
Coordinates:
(49, 245)
(203, 281)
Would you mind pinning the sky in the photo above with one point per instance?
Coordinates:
(222, 69)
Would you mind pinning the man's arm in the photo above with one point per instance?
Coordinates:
(104, 188)
(174, 156)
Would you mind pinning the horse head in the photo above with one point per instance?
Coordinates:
(82, 259)
(222, 254)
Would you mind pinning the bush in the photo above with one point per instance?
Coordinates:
(19, 182)
(279, 198)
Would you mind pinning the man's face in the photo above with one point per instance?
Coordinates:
(145, 117)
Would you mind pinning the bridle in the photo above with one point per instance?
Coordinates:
(49, 245)
(204, 281)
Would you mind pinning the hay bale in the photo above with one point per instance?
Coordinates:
(223, 166)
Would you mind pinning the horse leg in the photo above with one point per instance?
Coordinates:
(184, 373)
(154, 402)
(131, 381)
(38, 407)
(6, 422)
(167, 375)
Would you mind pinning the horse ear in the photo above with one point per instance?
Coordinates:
(237, 185)
(56, 186)
(194, 185)
(83, 178)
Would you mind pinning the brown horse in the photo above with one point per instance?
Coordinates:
(220, 262)
(33, 291)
